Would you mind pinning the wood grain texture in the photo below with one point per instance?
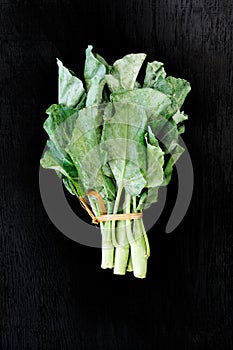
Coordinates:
(53, 294)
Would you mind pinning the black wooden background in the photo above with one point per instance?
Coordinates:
(53, 294)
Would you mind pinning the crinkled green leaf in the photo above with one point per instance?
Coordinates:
(124, 72)
(176, 88)
(103, 61)
(152, 196)
(180, 87)
(181, 129)
(70, 88)
(158, 109)
(154, 171)
(59, 126)
(94, 73)
(169, 136)
(166, 131)
(155, 161)
(123, 128)
(60, 123)
(179, 117)
(53, 159)
(70, 186)
(64, 167)
(163, 86)
(49, 162)
(154, 70)
(148, 98)
(85, 152)
(178, 150)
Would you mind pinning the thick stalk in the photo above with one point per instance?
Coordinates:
(122, 250)
(130, 264)
(107, 261)
(115, 210)
(128, 223)
(132, 261)
(139, 248)
(107, 246)
(145, 237)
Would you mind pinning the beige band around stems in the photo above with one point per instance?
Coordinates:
(105, 217)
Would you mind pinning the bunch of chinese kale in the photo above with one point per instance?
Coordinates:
(119, 138)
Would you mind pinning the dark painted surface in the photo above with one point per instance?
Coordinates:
(53, 293)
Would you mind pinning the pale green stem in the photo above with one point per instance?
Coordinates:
(122, 250)
(115, 210)
(128, 222)
(139, 248)
(107, 246)
(145, 237)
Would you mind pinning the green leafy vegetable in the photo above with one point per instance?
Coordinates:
(120, 139)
